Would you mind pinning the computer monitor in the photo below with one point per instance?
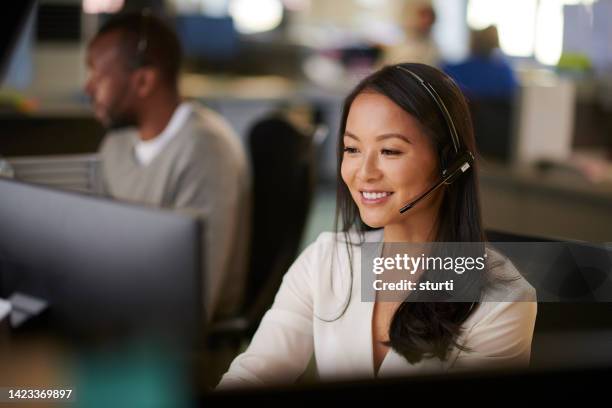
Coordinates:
(104, 268)
(15, 18)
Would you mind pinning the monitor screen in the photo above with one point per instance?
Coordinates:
(209, 38)
(100, 266)
(14, 21)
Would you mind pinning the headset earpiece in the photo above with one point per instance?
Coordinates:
(459, 166)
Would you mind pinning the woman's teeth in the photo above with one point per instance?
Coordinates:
(374, 195)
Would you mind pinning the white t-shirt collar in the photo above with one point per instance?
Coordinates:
(147, 150)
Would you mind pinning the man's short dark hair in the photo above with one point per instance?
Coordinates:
(146, 40)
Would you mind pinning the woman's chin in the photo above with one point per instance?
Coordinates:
(373, 222)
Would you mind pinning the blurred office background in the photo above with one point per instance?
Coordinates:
(546, 146)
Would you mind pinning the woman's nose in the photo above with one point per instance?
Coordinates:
(369, 169)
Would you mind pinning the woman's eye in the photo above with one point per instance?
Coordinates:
(350, 150)
(390, 152)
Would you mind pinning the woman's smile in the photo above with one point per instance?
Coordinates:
(374, 197)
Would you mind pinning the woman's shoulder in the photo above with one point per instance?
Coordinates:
(352, 237)
(336, 249)
(323, 246)
(508, 299)
(316, 251)
(506, 283)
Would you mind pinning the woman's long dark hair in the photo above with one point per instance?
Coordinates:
(423, 329)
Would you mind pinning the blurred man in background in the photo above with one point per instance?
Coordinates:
(418, 44)
(490, 84)
(165, 152)
(485, 73)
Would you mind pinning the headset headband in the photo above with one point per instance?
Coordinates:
(441, 106)
(143, 36)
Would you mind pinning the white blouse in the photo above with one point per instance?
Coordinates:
(497, 333)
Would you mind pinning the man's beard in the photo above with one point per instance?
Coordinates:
(117, 115)
(121, 121)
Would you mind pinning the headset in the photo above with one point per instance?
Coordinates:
(463, 159)
(143, 38)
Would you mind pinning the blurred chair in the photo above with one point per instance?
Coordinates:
(503, 236)
(573, 331)
(493, 120)
(284, 179)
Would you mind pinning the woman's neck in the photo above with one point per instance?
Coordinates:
(419, 224)
(414, 228)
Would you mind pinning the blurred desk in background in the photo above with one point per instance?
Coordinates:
(558, 202)
(45, 133)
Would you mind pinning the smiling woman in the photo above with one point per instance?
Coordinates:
(407, 174)
(387, 160)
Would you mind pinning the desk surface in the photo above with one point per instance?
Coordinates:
(562, 181)
(555, 203)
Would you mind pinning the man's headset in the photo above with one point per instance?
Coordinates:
(143, 38)
(463, 158)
